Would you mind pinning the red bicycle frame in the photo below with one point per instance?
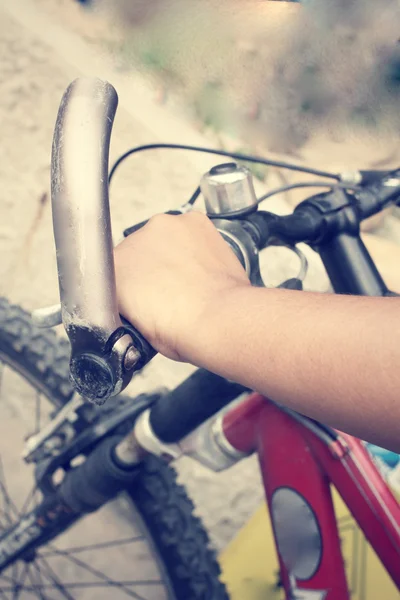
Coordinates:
(299, 459)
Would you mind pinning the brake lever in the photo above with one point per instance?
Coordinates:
(105, 352)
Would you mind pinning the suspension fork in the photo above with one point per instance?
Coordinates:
(84, 489)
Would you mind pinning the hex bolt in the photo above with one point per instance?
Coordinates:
(132, 356)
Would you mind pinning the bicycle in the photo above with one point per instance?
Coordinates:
(93, 455)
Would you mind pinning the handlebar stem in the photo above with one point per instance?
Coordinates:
(347, 261)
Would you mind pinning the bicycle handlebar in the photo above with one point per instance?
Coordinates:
(79, 195)
(103, 349)
(106, 349)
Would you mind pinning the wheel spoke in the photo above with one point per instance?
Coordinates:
(3, 487)
(38, 405)
(41, 585)
(38, 571)
(54, 579)
(77, 549)
(14, 573)
(10, 506)
(37, 588)
(96, 573)
(75, 585)
(20, 583)
(6, 514)
(29, 499)
(5, 521)
(4, 579)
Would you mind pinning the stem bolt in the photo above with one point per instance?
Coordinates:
(132, 356)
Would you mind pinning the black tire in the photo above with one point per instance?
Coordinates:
(164, 506)
(179, 536)
(39, 355)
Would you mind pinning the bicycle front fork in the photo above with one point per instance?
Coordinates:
(84, 489)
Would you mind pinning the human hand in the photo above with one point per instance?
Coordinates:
(171, 275)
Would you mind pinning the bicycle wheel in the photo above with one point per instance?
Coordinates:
(146, 544)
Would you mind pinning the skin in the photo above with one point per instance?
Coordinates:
(334, 358)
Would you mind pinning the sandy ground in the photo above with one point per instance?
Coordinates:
(40, 53)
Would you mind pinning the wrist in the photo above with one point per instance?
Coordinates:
(212, 332)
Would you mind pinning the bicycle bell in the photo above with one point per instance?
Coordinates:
(228, 190)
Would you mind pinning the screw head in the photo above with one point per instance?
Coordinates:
(132, 356)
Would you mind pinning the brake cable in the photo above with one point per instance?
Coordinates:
(236, 155)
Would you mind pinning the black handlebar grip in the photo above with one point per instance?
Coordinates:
(194, 401)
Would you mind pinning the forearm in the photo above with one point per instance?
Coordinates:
(334, 358)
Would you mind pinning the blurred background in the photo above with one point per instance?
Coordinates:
(316, 82)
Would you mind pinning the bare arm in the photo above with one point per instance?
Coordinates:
(334, 358)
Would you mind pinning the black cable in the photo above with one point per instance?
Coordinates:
(243, 157)
(292, 186)
(194, 196)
